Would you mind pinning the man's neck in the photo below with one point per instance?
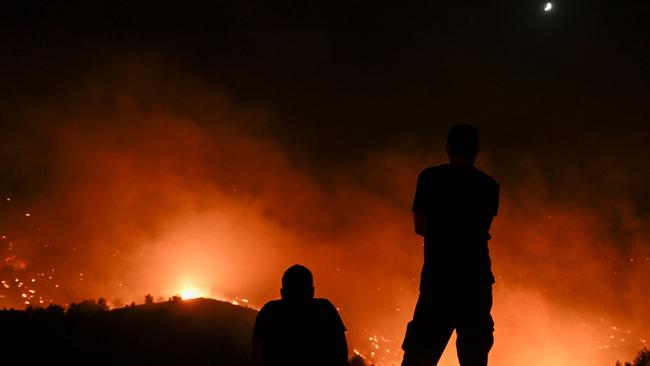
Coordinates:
(461, 161)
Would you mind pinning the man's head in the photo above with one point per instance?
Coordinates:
(462, 144)
(297, 284)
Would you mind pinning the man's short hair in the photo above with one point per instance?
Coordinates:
(297, 277)
(462, 140)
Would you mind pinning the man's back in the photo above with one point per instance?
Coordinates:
(453, 209)
(458, 203)
(310, 333)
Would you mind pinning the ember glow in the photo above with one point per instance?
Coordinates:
(180, 206)
(190, 293)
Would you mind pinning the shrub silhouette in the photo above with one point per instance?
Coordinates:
(642, 359)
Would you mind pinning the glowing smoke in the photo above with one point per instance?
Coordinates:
(141, 192)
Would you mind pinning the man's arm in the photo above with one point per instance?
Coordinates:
(420, 202)
(258, 351)
(341, 347)
(420, 223)
(336, 343)
(495, 202)
(260, 337)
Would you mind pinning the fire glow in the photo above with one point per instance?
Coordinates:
(230, 209)
(190, 293)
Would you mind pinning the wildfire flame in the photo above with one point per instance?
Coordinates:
(191, 292)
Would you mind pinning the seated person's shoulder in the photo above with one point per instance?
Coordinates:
(271, 307)
(266, 320)
(327, 311)
(324, 304)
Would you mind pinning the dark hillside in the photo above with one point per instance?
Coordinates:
(200, 331)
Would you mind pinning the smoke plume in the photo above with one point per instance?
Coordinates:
(142, 181)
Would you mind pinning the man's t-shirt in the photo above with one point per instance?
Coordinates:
(309, 334)
(459, 203)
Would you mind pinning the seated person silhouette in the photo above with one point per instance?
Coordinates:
(299, 329)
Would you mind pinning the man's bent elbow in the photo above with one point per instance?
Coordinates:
(419, 222)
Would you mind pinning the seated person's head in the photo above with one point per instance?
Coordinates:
(297, 284)
(462, 143)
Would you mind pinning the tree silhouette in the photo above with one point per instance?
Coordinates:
(55, 310)
(175, 298)
(148, 299)
(102, 304)
(642, 359)
(87, 307)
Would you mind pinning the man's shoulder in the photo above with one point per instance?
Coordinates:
(432, 171)
(323, 303)
(328, 311)
(325, 307)
(448, 171)
(271, 306)
(319, 304)
(486, 178)
(267, 319)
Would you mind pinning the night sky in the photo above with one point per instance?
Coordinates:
(340, 81)
(368, 75)
(310, 122)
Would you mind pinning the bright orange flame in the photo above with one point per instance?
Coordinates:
(191, 293)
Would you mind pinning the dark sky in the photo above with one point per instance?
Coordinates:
(567, 89)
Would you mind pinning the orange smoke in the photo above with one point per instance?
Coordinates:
(152, 195)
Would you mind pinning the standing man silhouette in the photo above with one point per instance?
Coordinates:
(299, 329)
(453, 209)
